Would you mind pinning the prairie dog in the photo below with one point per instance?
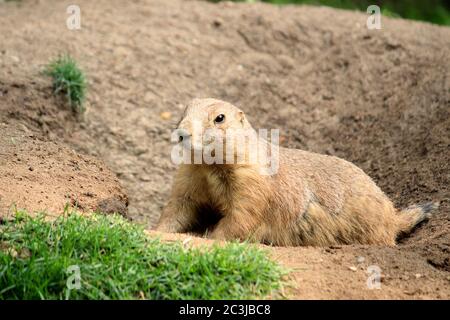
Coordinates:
(311, 199)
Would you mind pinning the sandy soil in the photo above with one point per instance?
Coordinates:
(379, 98)
(39, 175)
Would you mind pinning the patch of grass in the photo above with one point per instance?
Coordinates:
(68, 79)
(118, 261)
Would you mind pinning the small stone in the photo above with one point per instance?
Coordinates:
(31, 168)
(418, 275)
(217, 22)
(360, 259)
(353, 268)
(112, 205)
(166, 115)
(145, 177)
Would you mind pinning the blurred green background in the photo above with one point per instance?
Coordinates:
(434, 11)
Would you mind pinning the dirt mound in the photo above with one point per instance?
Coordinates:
(378, 98)
(40, 175)
(343, 272)
(29, 99)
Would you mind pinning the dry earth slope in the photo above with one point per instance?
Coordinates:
(379, 98)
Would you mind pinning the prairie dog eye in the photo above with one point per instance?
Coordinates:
(220, 118)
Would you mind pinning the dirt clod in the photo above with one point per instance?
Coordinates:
(112, 205)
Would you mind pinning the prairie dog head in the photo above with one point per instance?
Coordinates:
(216, 132)
(206, 119)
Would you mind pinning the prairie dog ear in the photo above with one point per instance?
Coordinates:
(241, 117)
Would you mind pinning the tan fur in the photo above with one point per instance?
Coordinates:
(313, 199)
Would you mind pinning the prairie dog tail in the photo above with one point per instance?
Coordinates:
(413, 215)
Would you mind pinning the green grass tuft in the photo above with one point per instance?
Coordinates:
(118, 261)
(68, 79)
